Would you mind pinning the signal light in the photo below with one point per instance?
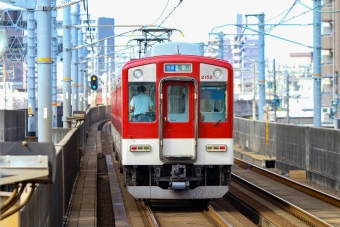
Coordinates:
(94, 82)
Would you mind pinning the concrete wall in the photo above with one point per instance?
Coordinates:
(12, 125)
(50, 203)
(45, 208)
(243, 108)
(314, 149)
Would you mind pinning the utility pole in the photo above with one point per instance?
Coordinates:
(220, 45)
(105, 74)
(275, 95)
(254, 92)
(66, 66)
(317, 61)
(287, 96)
(31, 49)
(335, 100)
(4, 74)
(54, 66)
(93, 93)
(81, 77)
(261, 81)
(109, 79)
(74, 70)
(44, 61)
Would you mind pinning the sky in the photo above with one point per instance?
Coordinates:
(197, 19)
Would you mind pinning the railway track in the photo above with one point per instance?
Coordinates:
(179, 213)
(309, 206)
(312, 207)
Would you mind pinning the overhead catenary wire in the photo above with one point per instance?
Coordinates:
(180, 1)
(162, 12)
(320, 11)
(283, 22)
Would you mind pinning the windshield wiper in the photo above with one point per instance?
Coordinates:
(218, 121)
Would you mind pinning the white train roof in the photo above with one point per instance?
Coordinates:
(174, 48)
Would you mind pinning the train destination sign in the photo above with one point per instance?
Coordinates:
(177, 68)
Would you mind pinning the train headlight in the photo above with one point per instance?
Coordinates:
(137, 73)
(217, 73)
(216, 147)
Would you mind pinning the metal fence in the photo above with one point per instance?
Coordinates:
(50, 203)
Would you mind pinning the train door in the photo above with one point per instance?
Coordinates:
(178, 119)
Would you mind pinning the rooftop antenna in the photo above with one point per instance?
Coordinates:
(177, 50)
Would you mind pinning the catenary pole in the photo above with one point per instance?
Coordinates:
(74, 70)
(66, 67)
(275, 95)
(44, 61)
(105, 74)
(81, 76)
(317, 61)
(220, 45)
(335, 100)
(254, 91)
(261, 81)
(54, 66)
(86, 87)
(109, 79)
(31, 49)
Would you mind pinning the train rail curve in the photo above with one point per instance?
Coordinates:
(313, 207)
(179, 213)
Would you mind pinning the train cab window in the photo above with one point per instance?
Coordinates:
(178, 104)
(142, 105)
(213, 102)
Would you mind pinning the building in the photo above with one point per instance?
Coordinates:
(245, 54)
(13, 22)
(330, 45)
(99, 29)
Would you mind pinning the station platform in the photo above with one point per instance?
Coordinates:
(253, 158)
(83, 208)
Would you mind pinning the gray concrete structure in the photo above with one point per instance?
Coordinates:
(314, 149)
(50, 203)
(45, 205)
(12, 125)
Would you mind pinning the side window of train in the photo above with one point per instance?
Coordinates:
(178, 103)
(213, 102)
(142, 101)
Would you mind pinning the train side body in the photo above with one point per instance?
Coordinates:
(184, 147)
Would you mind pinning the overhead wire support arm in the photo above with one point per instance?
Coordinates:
(66, 4)
(246, 27)
(98, 41)
(113, 25)
(110, 37)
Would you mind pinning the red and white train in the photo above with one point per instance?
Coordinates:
(183, 149)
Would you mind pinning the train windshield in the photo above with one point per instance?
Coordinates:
(213, 102)
(142, 101)
(178, 103)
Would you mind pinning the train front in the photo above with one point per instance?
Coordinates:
(183, 148)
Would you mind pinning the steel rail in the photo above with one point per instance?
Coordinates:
(283, 204)
(146, 214)
(291, 183)
(216, 217)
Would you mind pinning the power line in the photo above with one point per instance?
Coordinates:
(318, 7)
(290, 9)
(162, 12)
(180, 1)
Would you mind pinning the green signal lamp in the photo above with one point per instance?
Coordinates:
(94, 82)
